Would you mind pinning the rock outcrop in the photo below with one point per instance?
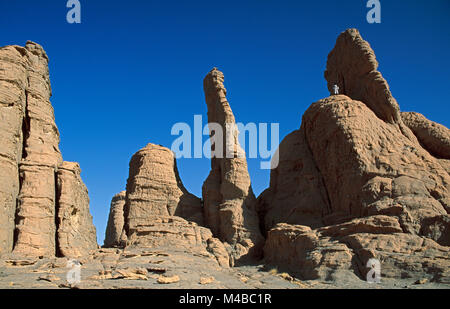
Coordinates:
(154, 189)
(342, 251)
(433, 136)
(352, 66)
(36, 211)
(358, 183)
(30, 158)
(296, 193)
(13, 84)
(159, 211)
(229, 202)
(370, 168)
(76, 234)
(114, 227)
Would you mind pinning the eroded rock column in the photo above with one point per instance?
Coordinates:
(114, 227)
(159, 212)
(36, 210)
(229, 202)
(154, 189)
(13, 82)
(76, 234)
(41, 157)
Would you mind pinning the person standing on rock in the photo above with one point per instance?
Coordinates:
(335, 89)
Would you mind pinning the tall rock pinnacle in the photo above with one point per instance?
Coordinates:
(229, 202)
(33, 194)
(352, 66)
(114, 227)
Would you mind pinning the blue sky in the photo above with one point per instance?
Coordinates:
(132, 69)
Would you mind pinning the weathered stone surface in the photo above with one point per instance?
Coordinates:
(42, 136)
(13, 82)
(401, 255)
(370, 168)
(296, 194)
(300, 250)
(176, 232)
(76, 234)
(229, 202)
(160, 212)
(138, 268)
(154, 189)
(352, 65)
(115, 220)
(342, 251)
(35, 228)
(433, 136)
(170, 230)
(384, 196)
(29, 147)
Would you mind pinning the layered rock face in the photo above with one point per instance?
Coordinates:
(76, 234)
(352, 66)
(297, 193)
(13, 82)
(433, 136)
(229, 202)
(114, 227)
(358, 183)
(158, 211)
(154, 189)
(30, 157)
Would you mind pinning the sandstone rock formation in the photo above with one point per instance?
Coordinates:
(154, 189)
(229, 202)
(358, 183)
(76, 234)
(433, 136)
(342, 251)
(358, 180)
(13, 84)
(36, 211)
(352, 66)
(297, 193)
(160, 212)
(114, 227)
(30, 158)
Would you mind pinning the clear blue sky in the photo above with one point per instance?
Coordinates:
(133, 68)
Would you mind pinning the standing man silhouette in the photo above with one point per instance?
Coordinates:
(335, 89)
